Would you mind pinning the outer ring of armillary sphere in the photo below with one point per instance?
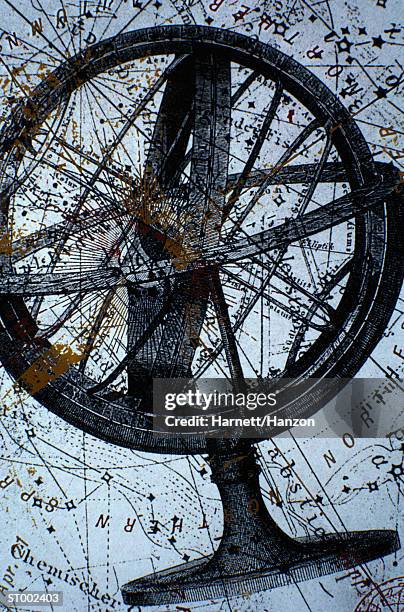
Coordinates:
(374, 281)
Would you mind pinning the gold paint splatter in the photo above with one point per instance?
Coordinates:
(48, 367)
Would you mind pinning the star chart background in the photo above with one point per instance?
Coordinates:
(70, 496)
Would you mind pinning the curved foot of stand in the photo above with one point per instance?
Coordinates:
(210, 578)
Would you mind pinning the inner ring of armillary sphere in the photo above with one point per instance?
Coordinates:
(186, 201)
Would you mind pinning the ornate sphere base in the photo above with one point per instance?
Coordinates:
(254, 553)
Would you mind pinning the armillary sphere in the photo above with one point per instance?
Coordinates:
(186, 201)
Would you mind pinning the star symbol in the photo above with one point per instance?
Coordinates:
(312, 18)
(345, 30)
(186, 558)
(362, 31)
(107, 477)
(209, 20)
(48, 581)
(397, 470)
(346, 489)
(151, 497)
(249, 142)
(157, 4)
(280, 28)
(251, 104)
(38, 481)
(51, 529)
(378, 42)
(319, 499)
(344, 45)
(381, 92)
